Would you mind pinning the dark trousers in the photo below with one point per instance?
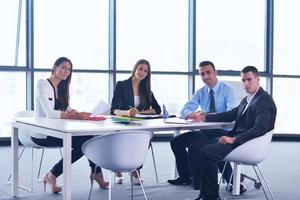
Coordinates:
(183, 141)
(77, 143)
(205, 156)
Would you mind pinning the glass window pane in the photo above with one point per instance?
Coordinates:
(75, 29)
(170, 90)
(286, 37)
(12, 53)
(13, 98)
(150, 29)
(231, 33)
(286, 96)
(86, 89)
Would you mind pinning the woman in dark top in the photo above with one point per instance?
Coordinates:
(52, 101)
(134, 96)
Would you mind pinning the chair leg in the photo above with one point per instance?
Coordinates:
(154, 163)
(222, 172)
(131, 185)
(92, 183)
(32, 151)
(21, 186)
(110, 185)
(8, 180)
(40, 165)
(141, 184)
(268, 187)
(61, 155)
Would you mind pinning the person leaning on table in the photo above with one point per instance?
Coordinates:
(52, 101)
(133, 96)
(254, 117)
(215, 96)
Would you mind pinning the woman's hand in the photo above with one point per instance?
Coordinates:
(84, 115)
(132, 112)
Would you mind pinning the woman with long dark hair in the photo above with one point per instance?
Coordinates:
(133, 96)
(52, 101)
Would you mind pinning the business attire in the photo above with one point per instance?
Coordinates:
(220, 98)
(46, 105)
(254, 117)
(123, 98)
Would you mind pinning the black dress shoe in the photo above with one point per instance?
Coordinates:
(204, 198)
(243, 188)
(180, 181)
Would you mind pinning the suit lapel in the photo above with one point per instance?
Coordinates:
(130, 93)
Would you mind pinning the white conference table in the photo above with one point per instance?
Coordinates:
(66, 129)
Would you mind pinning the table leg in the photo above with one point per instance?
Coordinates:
(67, 168)
(236, 179)
(15, 162)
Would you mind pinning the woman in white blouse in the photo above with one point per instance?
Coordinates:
(52, 101)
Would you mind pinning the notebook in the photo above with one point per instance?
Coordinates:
(174, 120)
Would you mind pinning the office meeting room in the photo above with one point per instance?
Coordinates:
(149, 99)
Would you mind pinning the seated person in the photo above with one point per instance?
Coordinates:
(52, 101)
(214, 97)
(254, 117)
(133, 96)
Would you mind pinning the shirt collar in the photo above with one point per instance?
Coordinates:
(250, 97)
(215, 88)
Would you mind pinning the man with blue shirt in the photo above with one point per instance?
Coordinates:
(216, 96)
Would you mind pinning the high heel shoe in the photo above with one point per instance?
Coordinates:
(119, 178)
(99, 179)
(50, 179)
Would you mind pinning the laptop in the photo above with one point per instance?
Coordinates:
(174, 120)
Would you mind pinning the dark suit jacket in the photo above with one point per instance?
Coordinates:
(123, 98)
(258, 119)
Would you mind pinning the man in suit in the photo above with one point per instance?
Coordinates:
(215, 96)
(254, 117)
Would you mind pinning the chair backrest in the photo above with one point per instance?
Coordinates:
(119, 151)
(252, 152)
(25, 136)
(238, 87)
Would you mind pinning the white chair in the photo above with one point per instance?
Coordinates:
(122, 151)
(252, 153)
(25, 139)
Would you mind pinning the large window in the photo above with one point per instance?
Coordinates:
(286, 96)
(75, 29)
(231, 33)
(13, 98)
(286, 37)
(12, 41)
(155, 30)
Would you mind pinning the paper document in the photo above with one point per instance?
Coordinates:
(102, 108)
(177, 121)
(147, 116)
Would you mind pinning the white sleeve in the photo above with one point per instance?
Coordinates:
(46, 101)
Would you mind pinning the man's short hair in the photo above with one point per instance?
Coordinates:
(250, 69)
(205, 63)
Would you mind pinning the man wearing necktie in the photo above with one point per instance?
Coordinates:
(254, 117)
(215, 96)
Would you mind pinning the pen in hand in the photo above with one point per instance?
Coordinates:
(132, 111)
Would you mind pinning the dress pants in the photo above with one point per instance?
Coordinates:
(205, 155)
(77, 143)
(183, 141)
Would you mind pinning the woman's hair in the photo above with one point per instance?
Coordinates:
(63, 87)
(145, 84)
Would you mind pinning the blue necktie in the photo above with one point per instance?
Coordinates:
(212, 107)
